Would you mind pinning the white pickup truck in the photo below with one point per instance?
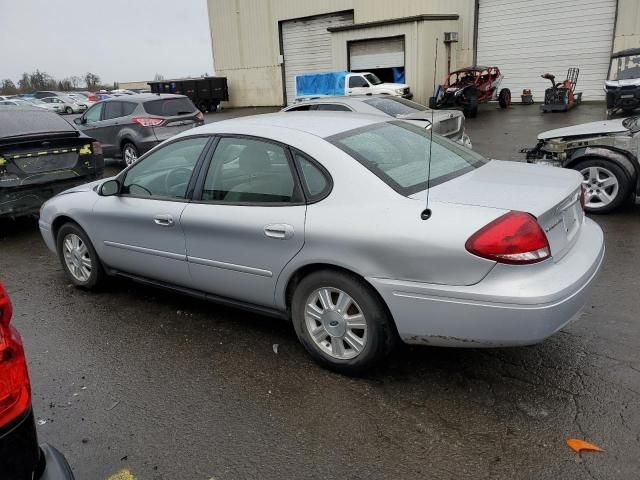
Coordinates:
(313, 85)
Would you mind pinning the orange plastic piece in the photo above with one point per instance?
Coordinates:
(578, 446)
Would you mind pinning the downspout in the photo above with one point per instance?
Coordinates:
(475, 31)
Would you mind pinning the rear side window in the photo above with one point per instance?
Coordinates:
(301, 108)
(169, 107)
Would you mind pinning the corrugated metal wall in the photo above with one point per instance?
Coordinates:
(627, 25)
(526, 39)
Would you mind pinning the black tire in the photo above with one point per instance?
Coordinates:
(68, 110)
(433, 102)
(504, 98)
(129, 147)
(380, 335)
(97, 275)
(471, 108)
(624, 184)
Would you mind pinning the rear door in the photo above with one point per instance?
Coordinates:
(247, 222)
(139, 230)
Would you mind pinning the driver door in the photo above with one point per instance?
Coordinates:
(358, 85)
(139, 230)
(93, 125)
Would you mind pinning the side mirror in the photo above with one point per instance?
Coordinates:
(110, 188)
(79, 121)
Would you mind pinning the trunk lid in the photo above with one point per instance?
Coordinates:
(550, 194)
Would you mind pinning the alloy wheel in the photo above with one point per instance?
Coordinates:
(600, 187)
(130, 155)
(76, 257)
(335, 322)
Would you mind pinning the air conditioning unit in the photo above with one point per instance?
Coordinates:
(450, 37)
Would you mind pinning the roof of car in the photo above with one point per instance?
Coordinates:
(320, 124)
(142, 97)
(338, 98)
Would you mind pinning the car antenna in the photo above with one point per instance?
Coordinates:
(426, 213)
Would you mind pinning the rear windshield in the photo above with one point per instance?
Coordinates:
(395, 106)
(169, 107)
(398, 153)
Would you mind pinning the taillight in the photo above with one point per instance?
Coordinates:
(148, 121)
(15, 390)
(93, 98)
(515, 238)
(582, 196)
(97, 148)
(199, 116)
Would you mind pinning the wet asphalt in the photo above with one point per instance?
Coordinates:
(169, 387)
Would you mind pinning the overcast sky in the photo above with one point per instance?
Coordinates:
(118, 40)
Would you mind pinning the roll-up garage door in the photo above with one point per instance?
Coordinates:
(526, 39)
(376, 53)
(306, 46)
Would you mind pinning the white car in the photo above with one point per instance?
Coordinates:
(69, 104)
(82, 99)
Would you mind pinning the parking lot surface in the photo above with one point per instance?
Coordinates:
(170, 387)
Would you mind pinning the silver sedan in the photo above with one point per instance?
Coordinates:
(359, 229)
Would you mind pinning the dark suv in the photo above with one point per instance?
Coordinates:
(130, 125)
(20, 456)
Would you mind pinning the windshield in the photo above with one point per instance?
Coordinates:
(398, 153)
(395, 106)
(373, 79)
(625, 68)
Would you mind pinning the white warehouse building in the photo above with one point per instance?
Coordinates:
(260, 45)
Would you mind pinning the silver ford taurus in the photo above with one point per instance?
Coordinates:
(322, 218)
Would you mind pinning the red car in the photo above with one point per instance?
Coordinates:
(467, 87)
(21, 458)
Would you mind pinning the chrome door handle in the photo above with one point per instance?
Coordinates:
(163, 220)
(280, 231)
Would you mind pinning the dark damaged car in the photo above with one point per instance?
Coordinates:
(605, 153)
(41, 154)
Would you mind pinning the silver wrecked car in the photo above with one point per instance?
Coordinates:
(605, 153)
(322, 218)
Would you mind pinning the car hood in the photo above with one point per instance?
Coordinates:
(591, 128)
(86, 186)
(623, 83)
(508, 185)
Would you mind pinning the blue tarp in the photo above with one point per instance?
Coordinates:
(398, 74)
(328, 83)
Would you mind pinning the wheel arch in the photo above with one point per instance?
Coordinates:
(623, 159)
(302, 271)
(59, 221)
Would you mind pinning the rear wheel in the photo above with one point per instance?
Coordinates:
(341, 322)
(504, 98)
(68, 110)
(129, 153)
(606, 185)
(78, 257)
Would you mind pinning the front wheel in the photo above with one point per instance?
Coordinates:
(69, 110)
(504, 98)
(341, 322)
(606, 185)
(78, 257)
(129, 153)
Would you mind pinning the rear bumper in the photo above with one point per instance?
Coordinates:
(55, 465)
(21, 201)
(512, 305)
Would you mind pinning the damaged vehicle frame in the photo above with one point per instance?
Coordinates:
(41, 155)
(605, 153)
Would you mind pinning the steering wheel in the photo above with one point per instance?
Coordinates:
(173, 178)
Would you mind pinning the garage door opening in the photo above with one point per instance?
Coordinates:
(382, 56)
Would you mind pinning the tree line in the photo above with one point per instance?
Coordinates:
(30, 82)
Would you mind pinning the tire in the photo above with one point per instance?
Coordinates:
(433, 102)
(602, 171)
(69, 242)
(129, 153)
(471, 108)
(68, 110)
(504, 98)
(373, 342)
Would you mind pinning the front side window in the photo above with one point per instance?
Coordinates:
(398, 153)
(357, 81)
(93, 114)
(166, 172)
(245, 170)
